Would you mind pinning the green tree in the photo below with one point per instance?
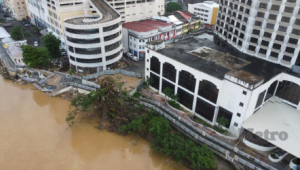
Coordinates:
(168, 92)
(222, 122)
(35, 57)
(17, 33)
(173, 6)
(53, 44)
(159, 126)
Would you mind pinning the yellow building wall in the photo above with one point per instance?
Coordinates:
(214, 16)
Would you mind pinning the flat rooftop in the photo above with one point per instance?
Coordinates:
(217, 63)
(145, 25)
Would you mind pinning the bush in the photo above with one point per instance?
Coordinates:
(136, 95)
(174, 104)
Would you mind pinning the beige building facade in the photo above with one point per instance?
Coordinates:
(17, 8)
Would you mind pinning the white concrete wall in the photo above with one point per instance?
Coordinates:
(196, 9)
(230, 94)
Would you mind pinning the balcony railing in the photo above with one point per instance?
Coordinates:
(91, 31)
(112, 46)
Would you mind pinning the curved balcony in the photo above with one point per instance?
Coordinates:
(83, 31)
(80, 43)
(110, 37)
(88, 65)
(112, 46)
(118, 29)
(257, 143)
(82, 36)
(114, 51)
(85, 54)
(116, 39)
(114, 58)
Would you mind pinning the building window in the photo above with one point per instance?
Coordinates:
(293, 41)
(287, 58)
(271, 91)
(290, 50)
(263, 5)
(155, 82)
(238, 114)
(208, 91)
(272, 16)
(274, 54)
(235, 124)
(285, 19)
(226, 114)
(275, 7)
(270, 26)
(241, 104)
(185, 98)
(264, 43)
(169, 71)
(155, 65)
(244, 92)
(187, 80)
(282, 28)
(277, 46)
(205, 109)
(260, 14)
(279, 38)
(260, 99)
(166, 84)
(288, 91)
(267, 34)
(288, 9)
(296, 31)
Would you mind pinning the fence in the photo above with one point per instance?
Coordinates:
(152, 104)
(80, 86)
(112, 72)
(139, 86)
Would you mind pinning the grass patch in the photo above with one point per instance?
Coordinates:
(216, 128)
(136, 95)
(174, 104)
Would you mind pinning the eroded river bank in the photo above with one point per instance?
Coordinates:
(35, 135)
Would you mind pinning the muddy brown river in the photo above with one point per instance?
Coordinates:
(35, 136)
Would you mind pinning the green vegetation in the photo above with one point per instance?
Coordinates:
(70, 71)
(17, 33)
(136, 95)
(222, 122)
(173, 6)
(216, 128)
(53, 44)
(170, 142)
(35, 57)
(24, 19)
(112, 108)
(173, 102)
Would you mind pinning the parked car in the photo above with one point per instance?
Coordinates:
(135, 58)
(36, 43)
(5, 15)
(26, 22)
(64, 53)
(27, 25)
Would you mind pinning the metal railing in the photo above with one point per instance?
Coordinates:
(112, 72)
(212, 140)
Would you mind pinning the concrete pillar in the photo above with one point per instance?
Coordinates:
(160, 77)
(195, 95)
(215, 115)
(176, 81)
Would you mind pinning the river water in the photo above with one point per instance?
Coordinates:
(35, 136)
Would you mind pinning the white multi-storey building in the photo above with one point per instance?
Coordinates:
(207, 11)
(94, 40)
(38, 13)
(212, 84)
(269, 30)
(134, 10)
